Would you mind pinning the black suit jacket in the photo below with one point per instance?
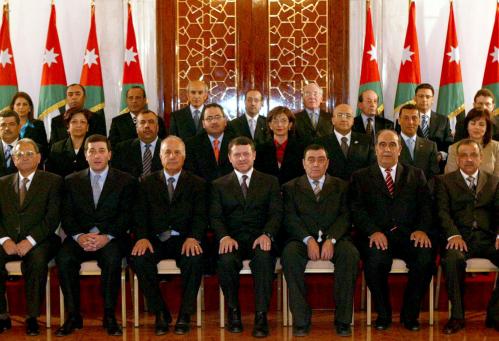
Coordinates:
(244, 219)
(425, 156)
(380, 123)
(360, 154)
(4, 170)
(305, 131)
(123, 128)
(291, 167)
(459, 208)
(201, 160)
(305, 216)
(38, 134)
(240, 127)
(62, 159)
(375, 210)
(39, 215)
(59, 131)
(182, 124)
(127, 157)
(113, 214)
(186, 213)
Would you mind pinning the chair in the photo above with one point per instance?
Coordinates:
(165, 267)
(400, 267)
(246, 270)
(90, 268)
(14, 269)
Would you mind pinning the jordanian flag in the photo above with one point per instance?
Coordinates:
(132, 75)
(410, 73)
(491, 75)
(91, 73)
(369, 75)
(451, 94)
(8, 78)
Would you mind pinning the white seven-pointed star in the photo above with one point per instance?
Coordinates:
(406, 54)
(130, 56)
(5, 57)
(454, 54)
(373, 52)
(495, 55)
(50, 57)
(90, 58)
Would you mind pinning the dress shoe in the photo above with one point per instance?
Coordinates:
(343, 329)
(163, 318)
(5, 324)
(32, 328)
(453, 326)
(411, 325)
(261, 327)
(235, 324)
(301, 330)
(382, 323)
(183, 324)
(112, 326)
(73, 322)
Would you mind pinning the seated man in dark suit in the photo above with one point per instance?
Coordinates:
(391, 207)
(140, 156)
(368, 122)
(246, 213)
(317, 221)
(96, 214)
(186, 122)
(468, 210)
(123, 126)
(348, 151)
(171, 220)
(29, 215)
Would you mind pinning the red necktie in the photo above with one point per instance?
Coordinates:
(389, 181)
(216, 150)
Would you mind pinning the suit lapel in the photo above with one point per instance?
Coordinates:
(209, 150)
(306, 188)
(189, 120)
(337, 148)
(400, 179)
(482, 180)
(307, 121)
(379, 180)
(15, 189)
(236, 187)
(260, 129)
(245, 126)
(163, 188)
(327, 188)
(179, 187)
(433, 123)
(137, 152)
(359, 124)
(406, 154)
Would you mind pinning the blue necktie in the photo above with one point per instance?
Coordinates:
(424, 126)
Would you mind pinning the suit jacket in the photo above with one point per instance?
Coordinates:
(62, 159)
(127, 157)
(113, 214)
(59, 131)
(37, 133)
(305, 131)
(425, 156)
(360, 154)
(39, 215)
(123, 128)
(490, 158)
(186, 213)
(459, 210)
(291, 167)
(305, 216)
(201, 160)
(240, 127)
(4, 170)
(375, 210)
(461, 130)
(380, 123)
(182, 124)
(244, 219)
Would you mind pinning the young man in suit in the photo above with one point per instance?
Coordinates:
(246, 213)
(29, 215)
(96, 215)
(368, 122)
(171, 221)
(9, 134)
(347, 150)
(317, 222)
(468, 210)
(391, 207)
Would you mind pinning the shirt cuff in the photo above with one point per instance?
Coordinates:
(75, 238)
(110, 236)
(31, 240)
(497, 237)
(457, 235)
(4, 239)
(444, 155)
(305, 240)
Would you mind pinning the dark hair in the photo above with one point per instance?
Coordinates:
(77, 84)
(137, 87)
(485, 93)
(246, 94)
(409, 106)
(241, 141)
(24, 95)
(147, 111)
(97, 138)
(477, 114)
(425, 86)
(361, 95)
(68, 115)
(10, 113)
(468, 142)
(315, 146)
(212, 105)
(278, 111)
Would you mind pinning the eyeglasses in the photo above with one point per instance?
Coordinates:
(282, 121)
(343, 115)
(214, 118)
(28, 153)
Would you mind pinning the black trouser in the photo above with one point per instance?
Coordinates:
(346, 261)
(378, 263)
(191, 269)
(34, 269)
(109, 258)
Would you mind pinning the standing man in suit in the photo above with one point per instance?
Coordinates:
(246, 213)
(391, 207)
(29, 216)
(123, 127)
(140, 156)
(317, 221)
(251, 124)
(186, 122)
(312, 122)
(10, 126)
(171, 221)
(96, 214)
(468, 210)
(348, 151)
(368, 122)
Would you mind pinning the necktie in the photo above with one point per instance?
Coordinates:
(216, 150)
(196, 118)
(389, 181)
(471, 183)
(171, 180)
(96, 190)
(252, 127)
(344, 146)
(424, 126)
(23, 190)
(410, 146)
(369, 126)
(8, 156)
(147, 161)
(244, 186)
(317, 189)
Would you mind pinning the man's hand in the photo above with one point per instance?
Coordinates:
(10, 247)
(100, 240)
(85, 240)
(264, 242)
(191, 247)
(420, 238)
(457, 243)
(23, 247)
(327, 251)
(313, 250)
(379, 240)
(497, 243)
(439, 157)
(227, 244)
(141, 246)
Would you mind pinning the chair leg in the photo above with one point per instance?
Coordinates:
(363, 293)
(48, 313)
(353, 314)
(437, 289)
(123, 298)
(431, 307)
(279, 289)
(198, 305)
(222, 308)
(61, 306)
(285, 307)
(368, 307)
(135, 301)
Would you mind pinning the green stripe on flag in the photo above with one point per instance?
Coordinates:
(52, 97)
(451, 100)
(94, 98)
(6, 94)
(405, 95)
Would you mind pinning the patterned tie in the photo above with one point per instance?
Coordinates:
(344, 146)
(23, 190)
(424, 126)
(216, 149)
(471, 184)
(171, 190)
(389, 181)
(96, 190)
(147, 161)
(8, 155)
(244, 186)
(410, 146)
(252, 127)
(196, 118)
(369, 127)
(317, 189)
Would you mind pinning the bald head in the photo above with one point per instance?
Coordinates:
(197, 93)
(343, 118)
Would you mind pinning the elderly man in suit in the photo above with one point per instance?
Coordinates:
(391, 207)
(368, 122)
(468, 211)
(29, 216)
(96, 215)
(246, 213)
(347, 150)
(9, 134)
(317, 221)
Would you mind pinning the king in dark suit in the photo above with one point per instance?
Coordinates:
(368, 122)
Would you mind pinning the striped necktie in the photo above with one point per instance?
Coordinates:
(147, 161)
(424, 126)
(389, 181)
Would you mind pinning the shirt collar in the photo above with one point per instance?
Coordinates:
(248, 117)
(465, 176)
(315, 111)
(13, 144)
(393, 171)
(427, 114)
(29, 177)
(405, 137)
(321, 181)
(365, 118)
(194, 109)
(220, 138)
(339, 136)
(175, 176)
(240, 175)
(153, 144)
(103, 174)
